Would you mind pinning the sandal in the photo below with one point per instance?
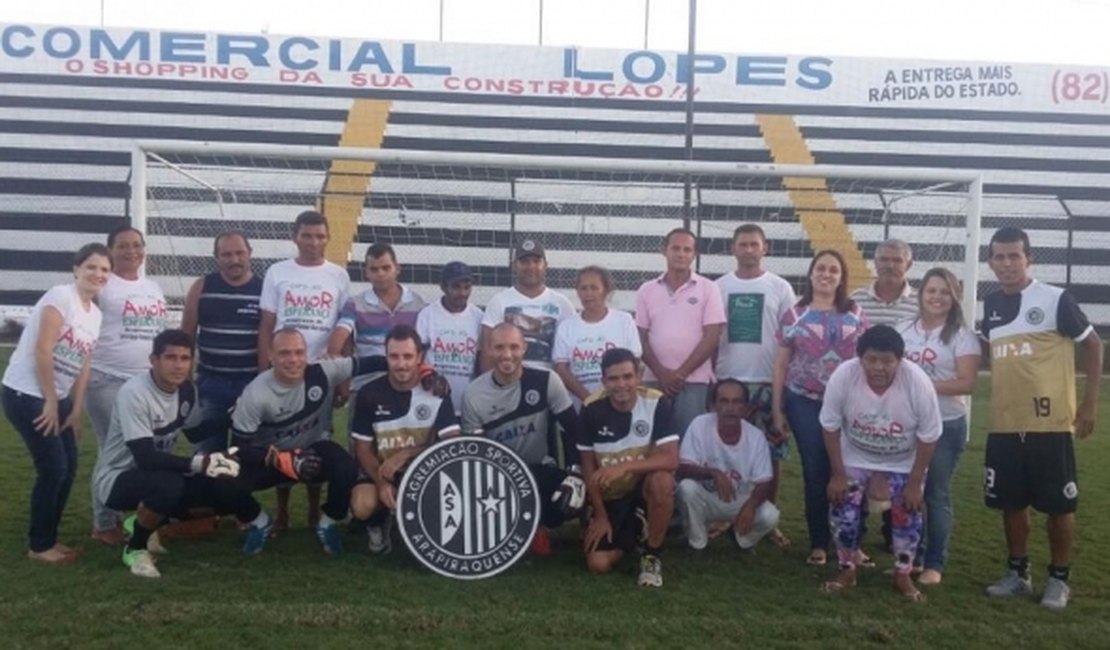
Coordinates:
(864, 561)
(914, 596)
(778, 538)
(817, 557)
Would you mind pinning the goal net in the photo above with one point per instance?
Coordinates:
(438, 207)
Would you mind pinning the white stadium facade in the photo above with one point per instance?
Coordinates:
(74, 101)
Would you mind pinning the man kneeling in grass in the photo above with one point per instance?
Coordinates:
(138, 471)
(629, 453)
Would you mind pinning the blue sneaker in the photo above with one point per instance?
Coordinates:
(256, 538)
(330, 539)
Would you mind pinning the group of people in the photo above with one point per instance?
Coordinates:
(688, 407)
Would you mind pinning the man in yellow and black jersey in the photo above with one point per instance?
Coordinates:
(1031, 329)
(395, 418)
(629, 453)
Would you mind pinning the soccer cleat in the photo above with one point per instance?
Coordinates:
(330, 539)
(1056, 594)
(378, 538)
(153, 543)
(1011, 584)
(141, 563)
(651, 571)
(256, 537)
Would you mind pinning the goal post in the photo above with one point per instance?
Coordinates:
(437, 206)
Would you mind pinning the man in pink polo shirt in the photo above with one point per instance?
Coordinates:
(680, 316)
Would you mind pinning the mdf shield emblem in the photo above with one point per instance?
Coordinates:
(467, 508)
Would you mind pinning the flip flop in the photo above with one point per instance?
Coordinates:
(817, 558)
(914, 596)
(834, 587)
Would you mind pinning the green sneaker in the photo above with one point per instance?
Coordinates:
(141, 563)
(153, 544)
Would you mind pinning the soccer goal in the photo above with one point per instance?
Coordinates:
(434, 207)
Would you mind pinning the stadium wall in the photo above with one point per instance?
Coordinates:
(74, 99)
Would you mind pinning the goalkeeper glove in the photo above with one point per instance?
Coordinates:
(571, 494)
(298, 464)
(431, 380)
(220, 464)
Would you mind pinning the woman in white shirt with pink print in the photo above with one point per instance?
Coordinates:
(944, 347)
(44, 394)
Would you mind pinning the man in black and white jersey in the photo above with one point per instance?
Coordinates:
(137, 469)
(395, 418)
(629, 453)
(281, 423)
(513, 404)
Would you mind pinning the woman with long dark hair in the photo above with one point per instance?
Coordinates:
(44, 393)
(939, 341)
(815, 336)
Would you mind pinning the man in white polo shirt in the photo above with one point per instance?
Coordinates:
(680, 317)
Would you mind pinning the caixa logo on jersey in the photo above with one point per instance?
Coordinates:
(468, 508)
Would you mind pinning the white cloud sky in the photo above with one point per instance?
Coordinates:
(1048, 31)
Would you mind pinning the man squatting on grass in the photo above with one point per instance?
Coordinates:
(281, 424)
(137, 470)
(395, 418)
(629, 452)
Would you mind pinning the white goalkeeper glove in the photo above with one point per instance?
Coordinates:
(220, 464)
(571, 495)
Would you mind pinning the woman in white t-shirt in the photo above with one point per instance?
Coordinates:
(940, 343)
(581, 339)
(44, 393)
(134, 310)
(881, 421)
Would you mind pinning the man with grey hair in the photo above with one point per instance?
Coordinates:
(886, 301)
(890, 298)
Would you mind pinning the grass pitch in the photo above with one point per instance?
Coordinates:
(294, 596)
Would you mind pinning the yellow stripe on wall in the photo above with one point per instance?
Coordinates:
(348, 181)
(815, 206)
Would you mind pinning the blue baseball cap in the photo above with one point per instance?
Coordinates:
(455, 272)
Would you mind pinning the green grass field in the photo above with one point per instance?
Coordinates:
(294, 596)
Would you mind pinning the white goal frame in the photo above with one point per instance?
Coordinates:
(938, 177)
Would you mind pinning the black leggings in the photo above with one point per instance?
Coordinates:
(338, 469)
(173, 495)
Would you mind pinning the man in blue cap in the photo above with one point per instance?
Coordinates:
(451, 329)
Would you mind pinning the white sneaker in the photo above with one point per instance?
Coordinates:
(379, 539)
(1011, 584)
(651, 571)
(1056, 594)
(141, 563)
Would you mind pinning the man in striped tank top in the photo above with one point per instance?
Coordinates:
(221, 312)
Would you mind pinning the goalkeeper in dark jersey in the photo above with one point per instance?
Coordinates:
(137, 469)
(281, 423)
(514, 405)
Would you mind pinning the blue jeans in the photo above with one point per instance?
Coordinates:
(218, 395)
(938, 493)
(55, 459)
(803, 414)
